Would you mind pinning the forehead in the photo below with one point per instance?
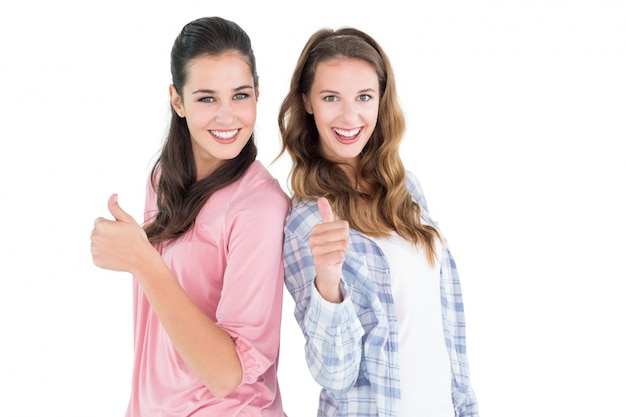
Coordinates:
(343, 71)
(226, 68)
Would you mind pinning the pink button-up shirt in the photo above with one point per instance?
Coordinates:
(231, 265)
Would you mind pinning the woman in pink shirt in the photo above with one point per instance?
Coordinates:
(207, 264)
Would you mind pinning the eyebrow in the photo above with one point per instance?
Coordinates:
(209, 91)
(365, 90)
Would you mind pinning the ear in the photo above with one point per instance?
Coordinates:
(176, 101)
(307, 104)
(256, 89)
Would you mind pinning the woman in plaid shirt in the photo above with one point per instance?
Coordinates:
(376, 290)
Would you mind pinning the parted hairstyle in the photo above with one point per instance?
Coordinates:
(380, 173)
(180, 196)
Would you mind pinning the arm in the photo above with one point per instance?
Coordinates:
(250, 306)
(332, 331)
(328, 244)
(208, 350)
(454, 331)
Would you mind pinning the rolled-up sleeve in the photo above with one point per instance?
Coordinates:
(250, 306)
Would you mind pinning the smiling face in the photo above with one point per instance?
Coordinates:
(219, 102)
(344, 101)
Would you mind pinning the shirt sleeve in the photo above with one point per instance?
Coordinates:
(332, 331)
(250, 306)
(453, 312)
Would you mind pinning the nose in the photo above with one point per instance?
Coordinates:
(225, 114)
(349, 112)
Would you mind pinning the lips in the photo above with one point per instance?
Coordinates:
(225, 136)
(347, 136)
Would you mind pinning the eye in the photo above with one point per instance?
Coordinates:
(330, 98)
(364, 97)
(206, 99)
(240, 96)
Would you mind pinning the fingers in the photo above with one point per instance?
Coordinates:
(117, 212)
(114, 241)
(327, 257)
(98, 220)
(330, 235)
(329, 240)
(101, 229)
(325, 210)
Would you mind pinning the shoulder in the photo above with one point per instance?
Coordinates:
(261, 187)
(413, 184)
(415, 189)
(256, 195)
(257, 175)
(302, 216)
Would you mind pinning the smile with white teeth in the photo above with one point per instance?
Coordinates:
(224, 134)
(347, 133)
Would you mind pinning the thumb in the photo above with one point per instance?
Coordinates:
(325, 210)
(117, 212)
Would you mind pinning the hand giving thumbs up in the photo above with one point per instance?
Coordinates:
(117, 244)
(328, 243)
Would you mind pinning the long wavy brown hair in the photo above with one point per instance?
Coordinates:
(180, 196)
(380, 175)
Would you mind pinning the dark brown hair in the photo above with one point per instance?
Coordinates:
(180, 196)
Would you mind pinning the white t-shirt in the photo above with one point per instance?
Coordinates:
(425, 373)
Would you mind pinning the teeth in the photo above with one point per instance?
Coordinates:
(224, 135)
(347, 132)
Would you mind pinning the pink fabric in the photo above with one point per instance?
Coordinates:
(231, 264)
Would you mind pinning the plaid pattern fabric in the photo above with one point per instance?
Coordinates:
(352, 347)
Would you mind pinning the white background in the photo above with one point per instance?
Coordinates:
(516, 126)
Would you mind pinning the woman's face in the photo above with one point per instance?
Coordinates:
(344, 101)
(219, 103)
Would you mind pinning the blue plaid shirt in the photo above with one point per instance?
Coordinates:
(352, 347)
